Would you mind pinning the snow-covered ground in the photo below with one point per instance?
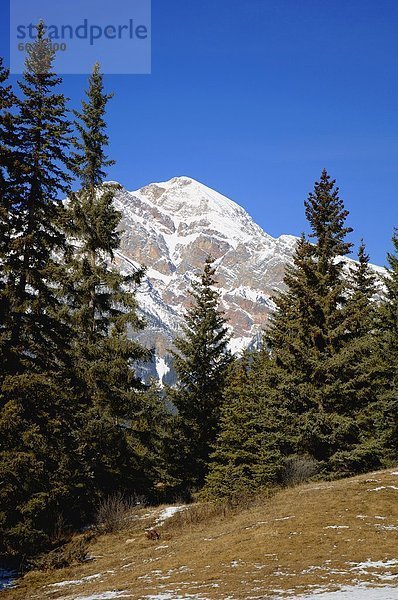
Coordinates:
(7, 579)
(346, 593)
(171, 596)
(69, 582)
(355, 593)
(168, 512)
(105, 596)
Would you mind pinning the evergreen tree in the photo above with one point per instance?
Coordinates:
(201, 359)
(90, 159)
(104, 314)
(291, 346)
(309, 334)
(363, 283)
(154, 426)
(387, 363)
(356, 366)
(39, 178)
(247, 454)
(40, 469)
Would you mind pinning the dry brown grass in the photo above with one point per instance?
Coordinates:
(115, 512)
(300, 538)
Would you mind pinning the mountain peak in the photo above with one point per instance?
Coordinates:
(171, 227)
(183, 210)
(183, 190)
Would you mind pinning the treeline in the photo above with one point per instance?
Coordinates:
(76, 423)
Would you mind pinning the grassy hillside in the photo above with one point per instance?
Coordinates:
(312, 537)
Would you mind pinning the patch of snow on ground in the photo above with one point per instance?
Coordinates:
(172, 596)
(372, 564)
(7, 579)
(383, 487)
(394, 473)
(312, 569)
(336, 527)
(236, 563)
(355, 593)
(76, 581)
(104, 596)
(169, 512)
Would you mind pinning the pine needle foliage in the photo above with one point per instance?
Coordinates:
(201, 359)
(104, 316)
(387, 356)
(247, 455)
(40, 467)
(320, 338)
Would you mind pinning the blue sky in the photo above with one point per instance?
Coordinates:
(255, 97)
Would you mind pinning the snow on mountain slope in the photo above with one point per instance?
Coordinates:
(171, 227)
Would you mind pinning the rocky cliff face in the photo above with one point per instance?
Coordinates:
(171, 228)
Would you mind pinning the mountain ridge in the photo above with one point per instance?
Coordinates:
(171, 227)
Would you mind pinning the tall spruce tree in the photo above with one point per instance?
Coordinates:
(288, 338)
(308, 336)
(104, 314)
(201, 360)
(42, 130)
(247, 454)
(39, 467)
(357, 368)
(387, 333)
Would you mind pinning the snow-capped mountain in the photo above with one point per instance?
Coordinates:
(171, 227)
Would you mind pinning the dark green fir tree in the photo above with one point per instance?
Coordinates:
(357, 368)
(201, 360)
(105, 316)
(308, 336)
(387, 331)
(291, 348)
(363, 289)
(247, 456)
(40, 470)
(39, 176)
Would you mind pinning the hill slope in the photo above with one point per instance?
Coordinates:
(317, 537)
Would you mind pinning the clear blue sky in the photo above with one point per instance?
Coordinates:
(255, 97)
